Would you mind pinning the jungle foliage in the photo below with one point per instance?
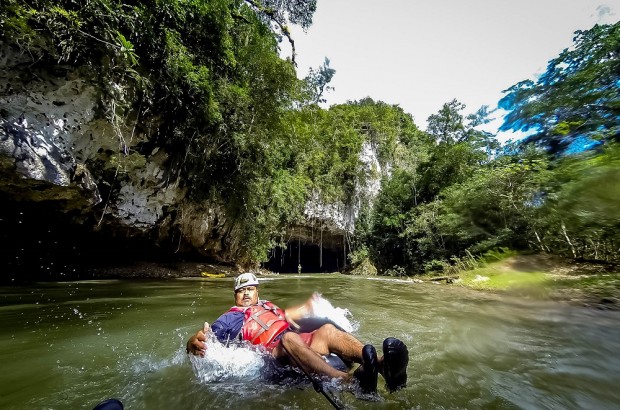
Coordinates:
(556, 192)
(242, 130)
(203, 79)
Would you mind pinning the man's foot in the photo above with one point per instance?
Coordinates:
(395, 360)
(369, 370)
(110, 404)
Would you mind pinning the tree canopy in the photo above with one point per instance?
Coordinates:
(576, 102)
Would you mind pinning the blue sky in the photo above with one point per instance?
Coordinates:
(421, 54)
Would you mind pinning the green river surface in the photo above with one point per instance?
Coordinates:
(70, 345)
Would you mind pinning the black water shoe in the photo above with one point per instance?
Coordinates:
(368, 372)
(395, 360)
(110, 404)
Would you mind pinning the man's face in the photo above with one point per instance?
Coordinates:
(246, 296)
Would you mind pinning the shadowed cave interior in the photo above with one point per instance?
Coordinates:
(308, 255)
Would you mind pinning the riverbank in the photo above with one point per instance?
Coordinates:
(526, 276)
(545, 277)
(159, 270)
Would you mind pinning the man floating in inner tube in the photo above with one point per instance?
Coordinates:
(260, 322)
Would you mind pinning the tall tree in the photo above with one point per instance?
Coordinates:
(447, 125)
(279, 13)
(460, 148)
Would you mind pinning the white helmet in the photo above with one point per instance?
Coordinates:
(245, 279)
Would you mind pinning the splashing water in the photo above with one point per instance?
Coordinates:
(222, 362)
(323, 310)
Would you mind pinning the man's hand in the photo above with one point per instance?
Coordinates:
(295, 313)
(196, 344)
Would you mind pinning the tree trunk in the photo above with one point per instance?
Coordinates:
(540, 242)
(572, 248)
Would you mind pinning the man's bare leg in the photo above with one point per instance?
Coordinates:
(292, 346)
(329, 339)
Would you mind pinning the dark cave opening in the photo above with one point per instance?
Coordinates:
(309, 256)
(39, 241)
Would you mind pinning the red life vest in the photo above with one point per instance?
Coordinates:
(262, 323)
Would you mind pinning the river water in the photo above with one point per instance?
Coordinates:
(70, 345)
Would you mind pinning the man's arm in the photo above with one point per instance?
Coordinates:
(228, 326)
(225, 328)
(295, 313)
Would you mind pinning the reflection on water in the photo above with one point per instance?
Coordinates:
(73, 344)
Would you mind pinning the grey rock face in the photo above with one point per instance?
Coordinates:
(33, 160)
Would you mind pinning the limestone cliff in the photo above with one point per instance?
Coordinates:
(60, 150)
(321, 239)
(63, 148)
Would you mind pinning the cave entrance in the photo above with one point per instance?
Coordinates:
(309, 256)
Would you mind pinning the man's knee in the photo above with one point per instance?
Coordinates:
(327, 331)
